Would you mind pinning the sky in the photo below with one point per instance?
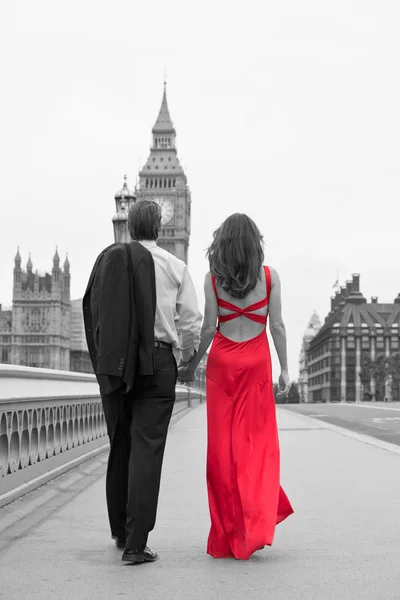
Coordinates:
(287, 111)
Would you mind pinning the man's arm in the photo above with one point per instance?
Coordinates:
(207, 331)
(189, 321)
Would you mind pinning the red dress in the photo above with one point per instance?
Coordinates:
(243, 476)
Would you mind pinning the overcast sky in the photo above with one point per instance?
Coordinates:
(288, 111)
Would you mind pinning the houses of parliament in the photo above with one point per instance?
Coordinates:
(44, 328)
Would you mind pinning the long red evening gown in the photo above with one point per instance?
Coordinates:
(246, 500)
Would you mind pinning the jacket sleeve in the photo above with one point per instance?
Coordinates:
(112, 334)
(144, 291)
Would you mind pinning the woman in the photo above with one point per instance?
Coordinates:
(245, 498)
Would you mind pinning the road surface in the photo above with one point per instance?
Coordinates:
(381, 420)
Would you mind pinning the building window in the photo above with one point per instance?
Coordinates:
(365, 342)
(380, 343)
(395, 343)
(4, 355)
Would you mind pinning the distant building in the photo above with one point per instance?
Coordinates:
(355, 333)
(43, 329)
(79, 355)
(313, 328)
(5, 334)
(41, 316)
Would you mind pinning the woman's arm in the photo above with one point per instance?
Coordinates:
(277, 327)
(208, 329)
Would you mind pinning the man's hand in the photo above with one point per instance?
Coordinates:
(185, 374)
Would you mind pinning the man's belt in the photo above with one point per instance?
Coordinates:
(159, 344)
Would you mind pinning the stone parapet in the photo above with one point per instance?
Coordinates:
(36, 429)
(49, 422)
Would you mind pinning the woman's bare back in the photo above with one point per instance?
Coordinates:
(242, 328)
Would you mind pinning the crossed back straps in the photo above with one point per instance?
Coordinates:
(246, 312)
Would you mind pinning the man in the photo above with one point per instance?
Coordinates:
(138, 417)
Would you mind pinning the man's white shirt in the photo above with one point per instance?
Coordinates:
(177, 319)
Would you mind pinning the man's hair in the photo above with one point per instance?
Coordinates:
(144, 220)
(236, 255)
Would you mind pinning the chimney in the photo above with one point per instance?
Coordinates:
(396, 300)
(356, 282)
(374, 299)
(349, 285)
(333, 303)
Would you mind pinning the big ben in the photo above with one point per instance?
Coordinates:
(162, 179)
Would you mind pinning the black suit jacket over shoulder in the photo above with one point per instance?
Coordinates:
(119, 309)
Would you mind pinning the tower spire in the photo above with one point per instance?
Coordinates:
(163, 123)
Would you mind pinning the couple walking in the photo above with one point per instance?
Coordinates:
(140, 309)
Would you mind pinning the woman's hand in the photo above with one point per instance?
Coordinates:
(185, 373)
(284, 385)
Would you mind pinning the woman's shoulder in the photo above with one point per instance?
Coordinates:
(272, 270)
(208, 280)
(273, 273)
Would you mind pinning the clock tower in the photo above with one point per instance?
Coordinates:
(162, 179)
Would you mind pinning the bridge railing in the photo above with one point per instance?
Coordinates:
(50, 421)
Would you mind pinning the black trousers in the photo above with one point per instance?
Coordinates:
(137, 425)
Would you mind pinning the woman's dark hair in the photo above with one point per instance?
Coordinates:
(236, 255)
(144, 220)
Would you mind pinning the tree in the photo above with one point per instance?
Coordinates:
(366, 372)
(366, 369)
(380, 371)
(394, 371)
(293, 396)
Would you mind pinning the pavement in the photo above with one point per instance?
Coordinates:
(342, 543)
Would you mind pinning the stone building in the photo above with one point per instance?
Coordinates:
(313, 327)
(162, 179)
(44, 328)
(79, 354)
(354, 331)
(5, 334)
(36, 332)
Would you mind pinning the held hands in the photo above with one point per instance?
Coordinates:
(284, 385)
(185, 373)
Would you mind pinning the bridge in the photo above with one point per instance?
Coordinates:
(342, 542)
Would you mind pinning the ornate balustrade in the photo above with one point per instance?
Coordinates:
(44, 430)
(35, 429)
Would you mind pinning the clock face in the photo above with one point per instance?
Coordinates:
(167, 209)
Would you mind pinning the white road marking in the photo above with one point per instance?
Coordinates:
(317, 415)
(365, 406)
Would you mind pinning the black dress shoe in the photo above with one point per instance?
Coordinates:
(119, 542)
(139, 556)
